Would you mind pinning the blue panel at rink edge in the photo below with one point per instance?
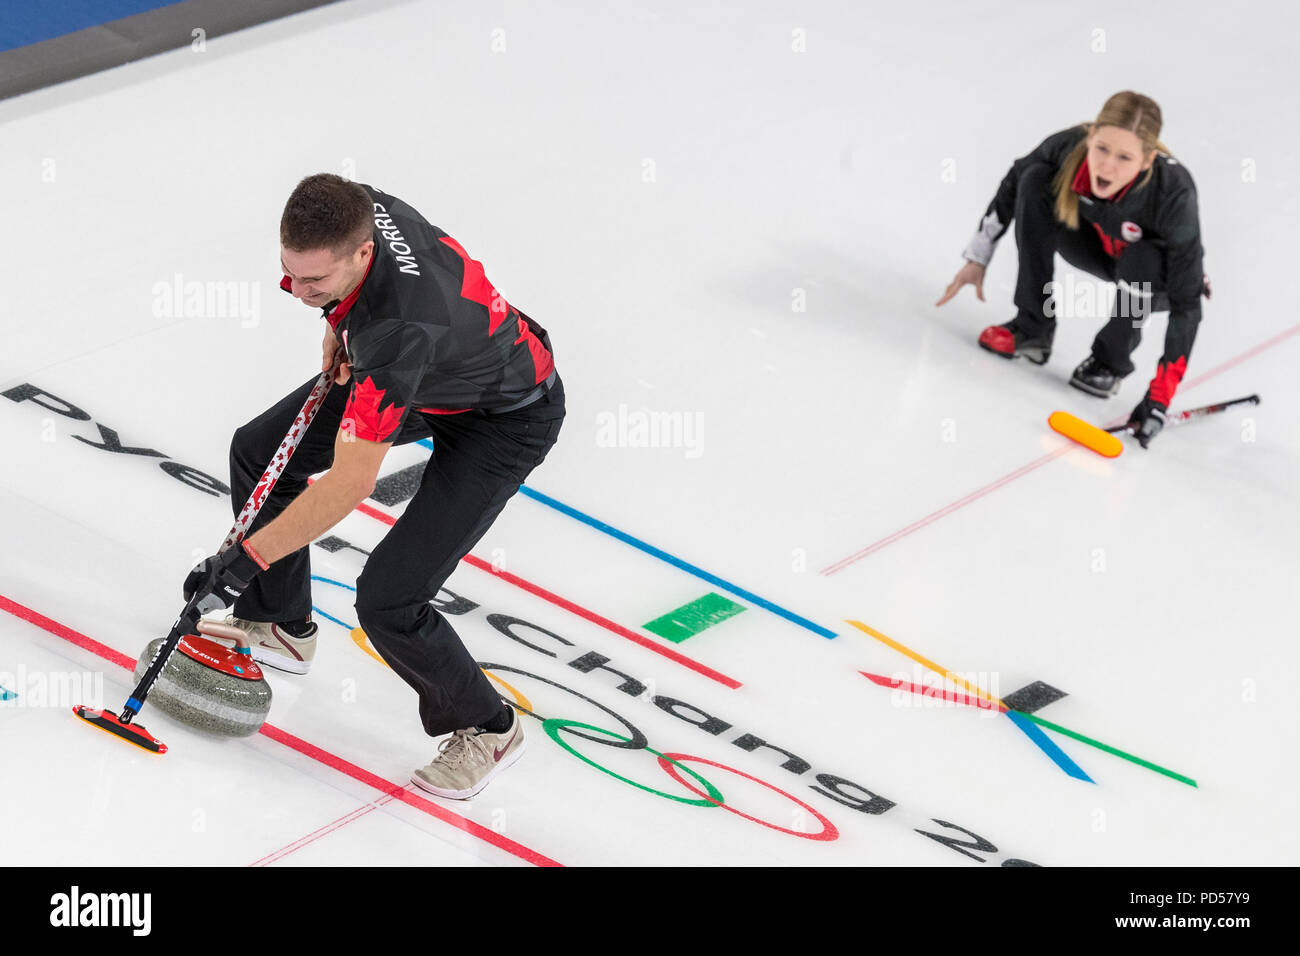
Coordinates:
(27, 22)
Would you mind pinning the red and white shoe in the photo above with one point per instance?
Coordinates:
(269, 643)
(1009, 341)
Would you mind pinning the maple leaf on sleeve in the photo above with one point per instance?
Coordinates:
(370, 423)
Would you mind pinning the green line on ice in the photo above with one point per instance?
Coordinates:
(1110, 750)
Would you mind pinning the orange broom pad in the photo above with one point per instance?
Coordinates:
(1089, 436)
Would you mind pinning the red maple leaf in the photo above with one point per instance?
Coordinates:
(363, 409)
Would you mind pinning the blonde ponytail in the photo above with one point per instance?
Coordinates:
(1067, 200)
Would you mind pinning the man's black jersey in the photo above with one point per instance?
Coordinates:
(426, 332)
(1163, 211)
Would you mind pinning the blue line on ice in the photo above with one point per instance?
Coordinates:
(662, 555)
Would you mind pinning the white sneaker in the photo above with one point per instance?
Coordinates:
(469, 759)
(270, 644)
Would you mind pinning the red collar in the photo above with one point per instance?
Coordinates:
(1083, 184)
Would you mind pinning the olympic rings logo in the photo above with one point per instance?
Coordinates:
(670, 763)
(705, 793)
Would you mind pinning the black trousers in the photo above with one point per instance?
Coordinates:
(478, 463)
(1039, 237)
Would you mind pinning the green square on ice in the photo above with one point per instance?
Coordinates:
(690, 619)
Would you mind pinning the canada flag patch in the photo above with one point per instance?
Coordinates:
(1130, 231)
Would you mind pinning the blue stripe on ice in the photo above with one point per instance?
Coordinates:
(662, 555)
(676, 562)
(331, 617)
(1035, 733)
(337, 584)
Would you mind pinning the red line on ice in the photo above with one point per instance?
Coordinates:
(322, 831)
(67, 633)
(399, 792)
(1248, 354)
(946, 510)
(335, 762)
(922, 690)
(1026, 469)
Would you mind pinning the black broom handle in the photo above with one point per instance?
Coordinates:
(1181, 418)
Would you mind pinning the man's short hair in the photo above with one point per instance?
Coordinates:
(326, 211)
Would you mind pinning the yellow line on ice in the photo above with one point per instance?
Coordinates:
(926, 662)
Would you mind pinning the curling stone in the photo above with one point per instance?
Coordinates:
(210, 687)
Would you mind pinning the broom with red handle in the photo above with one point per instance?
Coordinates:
(121, 724)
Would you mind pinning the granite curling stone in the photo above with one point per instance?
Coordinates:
(210, 687)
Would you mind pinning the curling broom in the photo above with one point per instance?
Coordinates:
(1104, 441)
(121, 724)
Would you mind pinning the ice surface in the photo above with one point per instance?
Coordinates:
(712, 223)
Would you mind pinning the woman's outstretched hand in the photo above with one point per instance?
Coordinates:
(972, 273)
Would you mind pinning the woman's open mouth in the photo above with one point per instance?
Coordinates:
(1103, 184)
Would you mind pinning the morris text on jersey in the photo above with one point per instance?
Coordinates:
(396, 241)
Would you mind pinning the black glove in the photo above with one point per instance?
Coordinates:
(1147, 420)
(219, 580)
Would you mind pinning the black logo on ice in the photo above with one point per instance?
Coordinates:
(102, 909)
